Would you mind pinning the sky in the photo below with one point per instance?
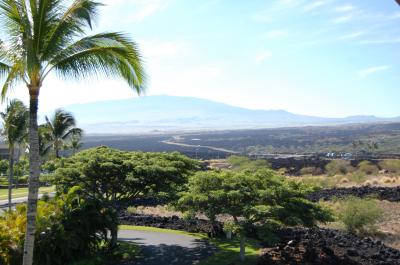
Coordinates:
(331, 58)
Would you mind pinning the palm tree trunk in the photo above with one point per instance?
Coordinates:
(56, 149)
(10, 176)
(34, 172)
(242, 255)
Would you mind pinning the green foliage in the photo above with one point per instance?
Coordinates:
(315, 171)
(245, 163)
(367, 168)
(15, 122)
(338, 167)
(359, 215)
(113, 175)
(69, 228)
(3, 167)
(50, 166)
(392, 165)
(261, 198)
(132, 210)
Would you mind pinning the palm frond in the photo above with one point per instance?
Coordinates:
(107, 54)
(71, 23)
(13, 77)
(45, 14)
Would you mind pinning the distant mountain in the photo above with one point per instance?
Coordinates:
(169, 113)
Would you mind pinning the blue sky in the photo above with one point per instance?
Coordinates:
(329, 58)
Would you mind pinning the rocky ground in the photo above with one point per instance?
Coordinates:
(382, 193)
(172, 222)
(324, 246)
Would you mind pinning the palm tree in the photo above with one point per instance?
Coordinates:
(45, 36)
(61, 127)
(15, 122)
(76, 143)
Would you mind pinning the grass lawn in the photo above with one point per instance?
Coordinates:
(228, 249)
(22, 192)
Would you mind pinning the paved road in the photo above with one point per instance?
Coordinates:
(4, 203)
(166, 248)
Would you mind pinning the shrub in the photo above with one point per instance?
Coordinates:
(367, 167)
(245, 163)
(23, 179)
(338, 167)
(315, 171)
(359, 215)
(132, 210)
(69, 228)
(392, 165)
(358, 177)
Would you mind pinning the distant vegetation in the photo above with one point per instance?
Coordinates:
(372, 138)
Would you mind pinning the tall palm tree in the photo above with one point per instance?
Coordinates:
(15, 122)
(61, 127)
(44, 36)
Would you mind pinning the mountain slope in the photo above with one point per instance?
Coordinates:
(169, 113)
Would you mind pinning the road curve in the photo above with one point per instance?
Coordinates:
(158, 248)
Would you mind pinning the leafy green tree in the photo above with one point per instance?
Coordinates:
(61, 128)
(113, 176)
(45, 36)
(260, 199)
(15, 121)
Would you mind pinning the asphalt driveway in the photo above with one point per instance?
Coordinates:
(167, 248)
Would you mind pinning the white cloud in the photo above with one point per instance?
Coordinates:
(276, 34)
(344, 8)
(313, 6)
(263, 56)
(372, 70)
(342, 19)
(352, 36)
(143, 8)
(382, 41)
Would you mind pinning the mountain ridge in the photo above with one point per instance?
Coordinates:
(171, 113)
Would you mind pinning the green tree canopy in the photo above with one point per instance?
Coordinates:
(112, 175)
(261, 198)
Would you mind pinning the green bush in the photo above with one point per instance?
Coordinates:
(132, 210)
(367, 168)
(46, 179)
(392, 165)
(338, 167)
(315, 171)
(69, 228)
(23, 179)
(359, 215)
(245, 163)
(358, 177)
